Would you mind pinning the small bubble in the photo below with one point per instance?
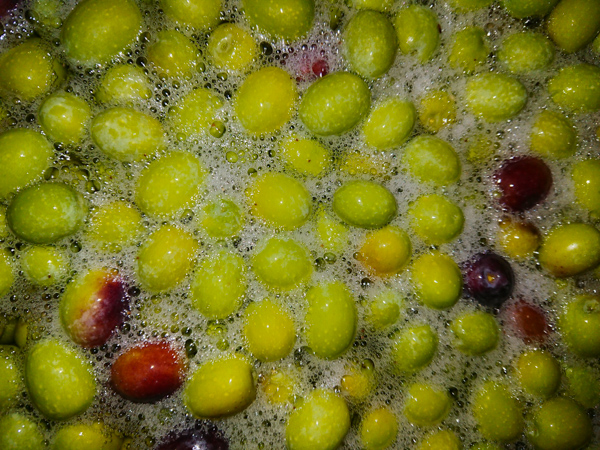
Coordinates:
(51, 173)
(231, 157)
(217, 129)
(134, 291)
(330, 258)
(266, 48)
(190, 348)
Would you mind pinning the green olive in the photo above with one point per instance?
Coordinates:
(559, 424)
(495, 97)
(269, 331)
(10, 377)
(375, 5)
(64, 117)
(123, 84)
(475, 333)
(24, 155)
(165, 258)
(114, 225)
(384, 309)
(127, 134)
(526, 52)
(573, 24)
(60, 381)
(281, 264)
(280, 200)
(586, 183)
(266, 100)
(199, 14)
(19, 432)
(426, 405)
(470, 5)
(570, 249)
(579, 325)
(527, 8)
(28, 71)
(335, 103)
(94, 436)
(432, 160)
(437, 110)
(583, 385)
(8, 324)
(222, 218)
(169, 184)
(284, 19)
(220, 387)
(46, 212)
(437, 280)
(469, 50)
(332, 234)
(553, 136)
(3, 224)
(98, 30)
(306, 156)
(497, 412)
(389, 124)
(576, 88)
(538, 372)
(47, 13)
(436, 219)
(231, 47)
(418, 31)
(330, 319)
(364, 204)
(441, 440)
(194, 113)
(414, 348)
(44, 266)
(358, 383)
(320, 421)
(370, 44)
(519, 239)
(378, 429)
(219, 285)
(385, 252)
(173, 55)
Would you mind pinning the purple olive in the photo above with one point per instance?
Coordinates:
(489, 279)
(209, 438)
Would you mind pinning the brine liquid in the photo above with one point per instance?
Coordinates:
(170, 316)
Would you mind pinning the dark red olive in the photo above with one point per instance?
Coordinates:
(7, 5)
(148, 372)
(527, 321)
(524, 182)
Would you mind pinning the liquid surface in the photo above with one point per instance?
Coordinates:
(232, 159)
